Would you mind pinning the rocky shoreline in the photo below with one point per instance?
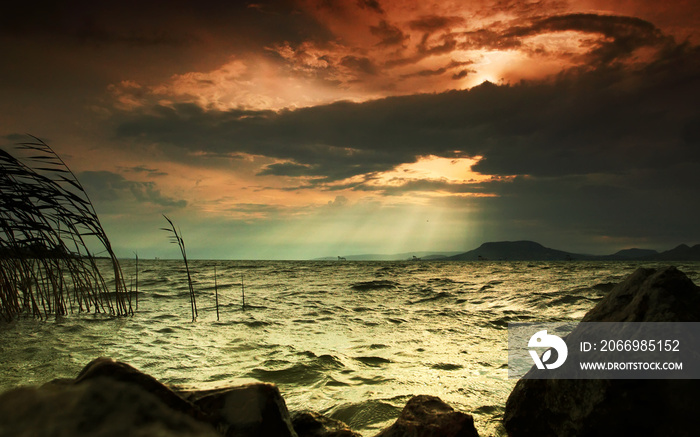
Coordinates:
(110, 398)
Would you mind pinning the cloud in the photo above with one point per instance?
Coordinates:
(105, 186)
(432, 23)
(359, 65)
(621, 35)
(285, 169)
(610, 119)
(649, 206)
(388, 35)
(442, 70)
(151, 172)
(371, 4)
(133, 23)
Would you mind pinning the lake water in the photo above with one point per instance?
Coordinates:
(353, 340)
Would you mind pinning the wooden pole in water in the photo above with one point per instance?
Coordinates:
(216, 291)
(242, 291)
(137, 281)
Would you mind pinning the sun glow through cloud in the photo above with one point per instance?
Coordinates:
(434, 168)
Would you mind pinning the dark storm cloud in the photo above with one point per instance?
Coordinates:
(108, 186)
(171, 22)
(371, 5)
(624, 34)
(442, 70)
(361, 65)
(388, 35)
(621, 35)
(462, 74)
(609, 120)
(432, 23)
(653, 205)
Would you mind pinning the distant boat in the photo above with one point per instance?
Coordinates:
(341, 258)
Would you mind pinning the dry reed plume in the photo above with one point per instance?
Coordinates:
(46, 223)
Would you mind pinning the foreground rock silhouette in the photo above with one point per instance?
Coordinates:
(428, 416)
(312, 424)
(113, 399)
(539, 407)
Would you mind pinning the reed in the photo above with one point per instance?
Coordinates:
(177, 239)
(46, 223)
(216, 294)
(242, 292)
(136, 291)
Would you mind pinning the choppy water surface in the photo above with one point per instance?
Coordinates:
(354, 340)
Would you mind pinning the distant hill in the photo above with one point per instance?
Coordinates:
(679, 253)
(632, 254)
(516, 251)
(531, 251)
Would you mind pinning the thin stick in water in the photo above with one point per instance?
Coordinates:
(137, 281)
(242, 291)
(216, 292)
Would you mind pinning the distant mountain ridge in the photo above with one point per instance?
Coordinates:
(525, 250)
(680, 253)
(515, 251)
(532, 251)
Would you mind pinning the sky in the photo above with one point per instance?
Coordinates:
(310, 128)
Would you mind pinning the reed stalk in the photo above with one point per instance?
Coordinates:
(137, 281)
(46, 221)
(177, 239)
(242, 292)
(216, 294)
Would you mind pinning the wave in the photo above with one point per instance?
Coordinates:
(446, 366)
(568, 300)
(361, 414)
(373, 361)
(502, 322)
(439, 296)
(374, 285)
(310, 372)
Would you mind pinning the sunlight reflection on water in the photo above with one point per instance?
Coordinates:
(354, 340)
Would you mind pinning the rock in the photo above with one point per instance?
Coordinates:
(109, 398)
(428, 416)
(311, 424)
(99, 407)
(121, 372)
(650, 295)
(255, 410)
(603, 407)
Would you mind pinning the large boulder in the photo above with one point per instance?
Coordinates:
(429, 416)
(98, 407)
(109, 398)
(121, 372)
(249, 410)
(603, 407)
